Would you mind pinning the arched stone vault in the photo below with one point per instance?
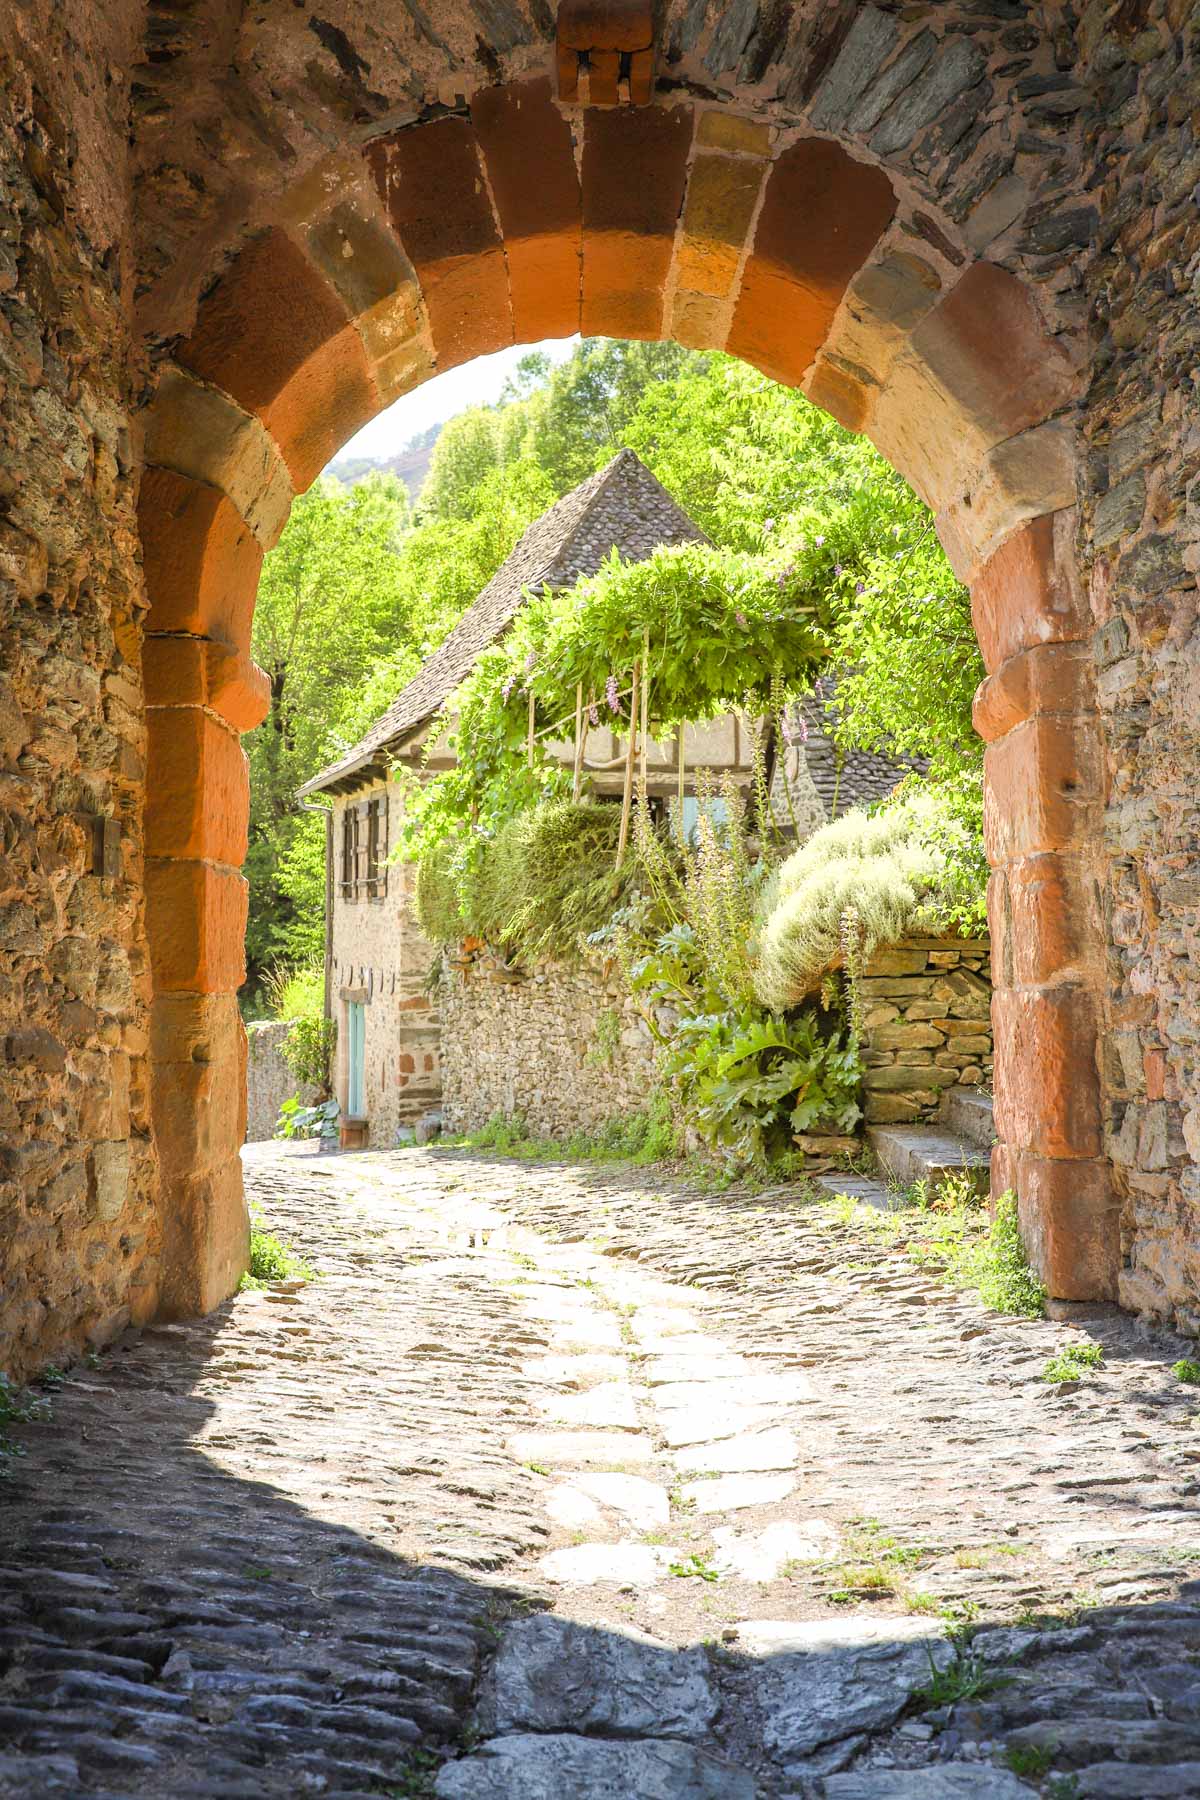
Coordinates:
(232, 231)
(518, 218)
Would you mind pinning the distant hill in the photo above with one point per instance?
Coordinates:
(411, 464)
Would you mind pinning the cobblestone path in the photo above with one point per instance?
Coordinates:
(559, 1483)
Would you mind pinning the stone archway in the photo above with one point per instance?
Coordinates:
(515, 217)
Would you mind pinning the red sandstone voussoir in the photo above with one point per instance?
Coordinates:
(206, 1241)
(201, 560)
(821, 216)
(193, 671)
(197, 786)
(1049, 678)
(1043, 784)
(430, 179)
(530, 159)
(1027, 593)
(1047, 1084)
(1048, 932)
(987, 347)
(1070, 1222)
(277, 337)
(196, 926)
(634, 175)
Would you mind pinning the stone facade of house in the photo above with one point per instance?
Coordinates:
(380, 961)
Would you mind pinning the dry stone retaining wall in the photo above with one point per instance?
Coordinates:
(269, 1081)
(563, 1048)
(927, 1025)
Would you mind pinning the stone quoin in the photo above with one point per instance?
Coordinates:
(230, 237)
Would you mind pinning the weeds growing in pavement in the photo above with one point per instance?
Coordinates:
(1032, 1760)
(17, 1407)
(1187, 1371)
(1073, 1363)
(966, 1677)
(272, 1260)
(696, 1567)
(873, 1565)
(954, 1234)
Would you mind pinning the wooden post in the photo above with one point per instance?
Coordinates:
(645, 713)
(577, 788)
(630, 753)
(532, 714)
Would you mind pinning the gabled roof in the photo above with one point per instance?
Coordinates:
(621, 507)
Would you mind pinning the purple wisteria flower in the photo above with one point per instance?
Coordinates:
(593, 714)
(837, 569)
(818, 542)
(860, 587)
(741, 619)
(611, 694)
(531, 662)
(507, 687)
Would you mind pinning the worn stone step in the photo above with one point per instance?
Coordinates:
(909, 1153)
(967, 1113)
(864, 1188)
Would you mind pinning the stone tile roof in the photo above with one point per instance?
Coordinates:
(864, 776)
(621, 507)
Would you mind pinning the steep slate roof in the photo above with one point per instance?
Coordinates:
(866, 775)
(621, 507)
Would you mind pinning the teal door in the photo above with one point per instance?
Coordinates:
(356, 1027)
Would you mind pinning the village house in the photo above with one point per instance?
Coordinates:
(388, 1062)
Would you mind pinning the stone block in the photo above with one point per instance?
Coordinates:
(530, 158)
(198, 786)
(1047, 1080)
(1070, 1222)
(897, 291)
(432, 185)
(905, 1036)
(634, 177)
(194, 1028)
(1021, 478)
(109, 1193)
(1028, 591)
(359, 256)
(1049, 678)
(725, 131)
(869, 43)
(186, 671)
(822, 214)
(199, 1111)
(896, 1078)
(198, 431)
(1042, 788)
(277, 337)
(699, 322)
(196, 926)
(986, 346)
(840, 394)
(201, 560)
(721, 197)
(1049, 934)
(205, 1240)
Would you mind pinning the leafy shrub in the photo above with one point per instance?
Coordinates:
(17, 1407)
(892, 870)
(308, 1050)
(299, 1121)
(543, 882)
(1187, 1371)
(295, 990)
(272, 1260)
(998, 1266)
(1073, 1362)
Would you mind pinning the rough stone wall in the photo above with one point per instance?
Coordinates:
(561, 1047)
(927, 1025)
(1141, 534)
(380, 957)
(77, 1168)
(269, 1081)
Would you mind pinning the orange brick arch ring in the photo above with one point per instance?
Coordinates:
(518, 218)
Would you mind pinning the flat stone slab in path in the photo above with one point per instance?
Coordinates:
(579, 1768)
(553, 1675)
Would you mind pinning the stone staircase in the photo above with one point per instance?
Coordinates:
(958, 1141)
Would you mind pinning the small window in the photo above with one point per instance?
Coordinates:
(364, 849)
